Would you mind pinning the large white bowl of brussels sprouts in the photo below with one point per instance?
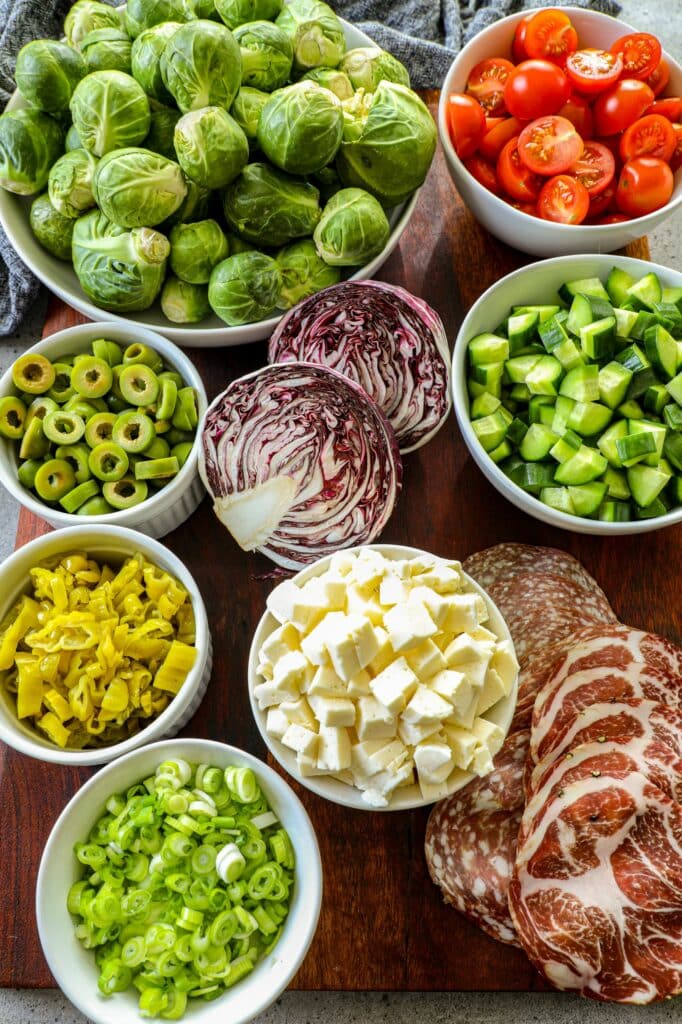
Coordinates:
(201, 175)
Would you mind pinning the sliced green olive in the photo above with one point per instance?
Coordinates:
(76, 497)
(13, 415)
(54, 479)
(115, 377)
(91, 377)
(39, 408)
(84, 409)
(156, 469)
(77, 455)
(98, 506)
(108, 461)
(109, 351)
(33, 374)
(158, 449)
(182, 452)
(167, 399)
(34, 444)
(171, 375)
(62, 389)
(100, 428)
(63, 427)
(162, 426)
(139, 384)
(125, 493)
(133, 431)
(26, 473)
(186, 416)
(143, 354)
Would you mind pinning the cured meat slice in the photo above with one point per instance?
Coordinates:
(495, 563)
(471, 842)
(596, 893)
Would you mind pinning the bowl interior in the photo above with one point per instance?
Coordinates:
(74, 967)
(338, 792)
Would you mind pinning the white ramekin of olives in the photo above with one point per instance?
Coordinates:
(98, 424)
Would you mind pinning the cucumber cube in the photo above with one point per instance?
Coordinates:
(518, 368)
(614, 380)
(634, 448)
(645, 292)
(566, 446)
(517, 431)
(521, 329)
(569, 354)
(532, 476)
(585, 286)
(617, 484)
(633, 359)
(598, 339)
(502, 451)
(587, 498)
(581, 384)
(672, 415)
(491, 430)
(558, 498)
(589, 418)
(488, 348)
(646, 483)
(579, 315)
(562, 410)
(484, 405)
(617, 284)
(644, 321)
(586, 465)
(631, 410)
(674, 388)
(615, 512)
(543, 312)
(520, 393)
(661, 349)
(537, 442)
(656, 398)
(672, 449)
(657, 430)
(494, 388)
(607, 443)
(553, 332)
(544, 376)
(625, 321)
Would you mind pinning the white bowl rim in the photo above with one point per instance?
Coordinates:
(527, 502)
(69, 539)
(310, 883)
(332, 789)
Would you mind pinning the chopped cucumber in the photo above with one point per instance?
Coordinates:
(645, 292)
(521, 329)
(617, 284)
(674, 388)
(562, 410)
(661, 349)
(518, 368)
(587, 498)
(646, 483)
(537, 442)
(566, 447)
(558, 498)
(503, 451)
(672, 449)
(608, 442)
(488, 348)
(644, 321)
(634, 448)
(543, 312)
(633, 359)
(581, 384)
(672, 414)
(491, 430)
(537, 404)
(589, 418)
(673, 296)
(532, 476)
(615, 512)
(598, 339)
(553, 332)
(631, 410)
(655, 399)
(520, 393)
(625, 321)
(579, 315)
(541, 380)
(614, 381)
(483, 405)
(657, 430)
(658, 507)
(586, 465)
(517, 431)
(487, 374)
(568, 354)
(617, 484)
(586, 286)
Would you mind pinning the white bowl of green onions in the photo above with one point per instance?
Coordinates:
(182, 880)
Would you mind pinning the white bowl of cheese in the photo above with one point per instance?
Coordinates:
(382, 677)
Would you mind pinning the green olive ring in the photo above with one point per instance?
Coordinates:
(108, 461)
(133, 431)
(76, 497)
(109, 351)
(91, 377)
(139, 384)
(139, 354)
(125, 493)
(13, 415)
(54, 479)
(63, 427)
(97, 506)
(34, 444)
(100, 428)
(33, 374)
(77, 455)
(62, 389)
(156, 469)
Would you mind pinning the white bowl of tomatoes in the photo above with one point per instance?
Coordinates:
(562, 130)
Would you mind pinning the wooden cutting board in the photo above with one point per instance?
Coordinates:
(383, 925)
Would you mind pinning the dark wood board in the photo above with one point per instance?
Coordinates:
(383, 925)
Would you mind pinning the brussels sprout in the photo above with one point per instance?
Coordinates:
(47, 72)
(51, 228)
(146, 59)
(136, 188)
(109, 110)
(316, 33)
(353, 229)
(194, 207)
(301, 127)
(331, 78)
(269, 208)
(88, 15)
(72, 140)
(30, 142)
(143, 14)
(267, 55)
(203, 9)
(238, 12)
(118, 270)
(195, 250)
(184, 303)
(247, 108)
(107, 49)
(245, 288)
(201, 66)
(211, 147)
(303, 273)
(70, 183)
(366, 66)
(388, 144)
(160, 137)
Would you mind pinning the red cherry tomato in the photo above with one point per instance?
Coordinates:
(549, 145)
(484, 173)
(617, 108)
(550, 35)
(670, 107)
(564, 200)
(594, 168)
(517, 180)
(645, 184)
(466, 122)
(651, 135)
(612, 143)
(535, 88)
(660, 77)
(641, 53)
(577, 111)
(593, 71)
(492, 122)
(529, 208)
(603, 202)
(498, 136)
(519, 51)
(486, 82)
(676, 158)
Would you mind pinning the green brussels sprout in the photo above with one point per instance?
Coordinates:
(30, 142)
(146, 59)
(72, 140)
(333, 79)
(194, 207)
(110, 110)
(269, 208)
(47, 72)
(107, 49)
(88, 15)
(211, 147)
(184, 303)
(267, 55)
(303, 273)
(245, 288)
(195, 250)
(143, 14)
(119, 270)
(237, 12)
(161, 130)
(70, 183)
(301, 127)
(51, 228)
(247, 108)
(353, 229)
(201, 66)
(203, 9)
(388, 144)
(366, 66)
(136, 188)
(316, 33)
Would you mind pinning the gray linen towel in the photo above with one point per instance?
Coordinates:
(424, 34)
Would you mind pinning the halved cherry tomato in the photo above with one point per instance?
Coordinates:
(645, 184)
(486, 82)
(641, 53)
(492, 122)
(564, 200)
(613, 218)
(670, 107)
(651, 135)
(676, 158)
(535, 88)
(517, 180)
(466, 122)
(612, 143)
(593, 70)
(577, 111)
(550, 35)
(519, 51)
(594, 168)
(498, 136)
(617, 108)
(549, 145)
(529, 208)
(660, 77)
(484, 173)
(603, 202)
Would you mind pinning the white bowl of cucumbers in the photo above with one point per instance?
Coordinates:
(567, 380)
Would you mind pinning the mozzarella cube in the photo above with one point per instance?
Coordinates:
(370, 567)
(395, 685)
(290, 671)
(426, 706)
(363, 761)
(314, 645)
(298, 711)
(433, 761)
(364, 638)
(463, 612)
(358, 686)
(307, 766)
(282, 640)
(433, 791)
(393, 590)
(505, 663)
(437, 605)
(276, 722)
(443, 577)
(454, 687)
(425, 659)
(333, 752)
(333, 711)
(326, 683)
(462, 742)
(389, 756)
(385, 653)
(346, 776)
(412, 734)
(342, 563)
(264, 668)
(302, 740)
(365, 602)
(484, 635)
(465, 714)
(382, 785)
(288, 603)
(408, 625)
(489, 739)
(469, 656)
(374, 721)
(340, 646)
(329, 590)
(271, 693)
(493, 689)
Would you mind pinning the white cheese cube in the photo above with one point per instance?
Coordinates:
(307, 766)
(425, 660)
(276, 722)
(340, 646)
(454, 687)
(282, 640)
(426, 706)
(364, 638)
(393, 590)
(364, 601)
(370, 567)
(270, 693)
(412, 734)
(290, 671)
(326, 683)
(462, 742)
(333, 711)
(408, 625)
(374, 721)
(385, 653)
(383, 784)
(433, 761)
(433, 791)
(346, 776)
(288, 604)
(264, 669)
(333, 752)
(302, 740)
(388, 756)
(504, 662)
(328, 590)
(489, 739)
(299, 711)
(437, 605)
(363, 762)
(422, 563)
(484, 635)
(443, 577)
(358, 686)
(314, 645)
(465, 714)
(463, 612)
(395, 685)
(493, 689)
(342, 563)
(469, 656)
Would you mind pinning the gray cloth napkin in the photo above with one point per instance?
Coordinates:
(424, 34)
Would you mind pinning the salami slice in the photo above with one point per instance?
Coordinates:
(471, 842)
(495, 563)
